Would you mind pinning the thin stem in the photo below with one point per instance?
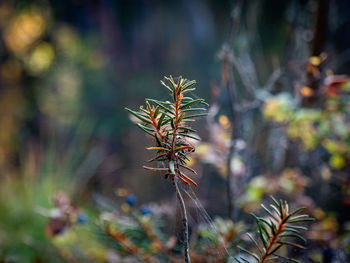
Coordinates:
(228, 82)
(230, 86)
(177, 113)
(272, 241)
(184, 221)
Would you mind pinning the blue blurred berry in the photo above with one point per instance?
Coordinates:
(130, 199)
(145, 210)
(82, 218)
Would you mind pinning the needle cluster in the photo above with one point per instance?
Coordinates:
(280, 228)
(168, 123)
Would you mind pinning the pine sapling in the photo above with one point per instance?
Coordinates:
(167, 122)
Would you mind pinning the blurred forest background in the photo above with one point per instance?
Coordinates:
(275, 74)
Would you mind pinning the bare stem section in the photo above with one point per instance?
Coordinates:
(184, 222)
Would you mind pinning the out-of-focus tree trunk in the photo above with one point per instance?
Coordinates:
(317, 47)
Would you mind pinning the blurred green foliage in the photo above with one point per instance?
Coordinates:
(326, 126)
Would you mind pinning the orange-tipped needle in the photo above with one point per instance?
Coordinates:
(181, 148)
(187, 179)
(157, 148)
(157, 157)
(183, 180)
(188, 168)
(155, 169)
